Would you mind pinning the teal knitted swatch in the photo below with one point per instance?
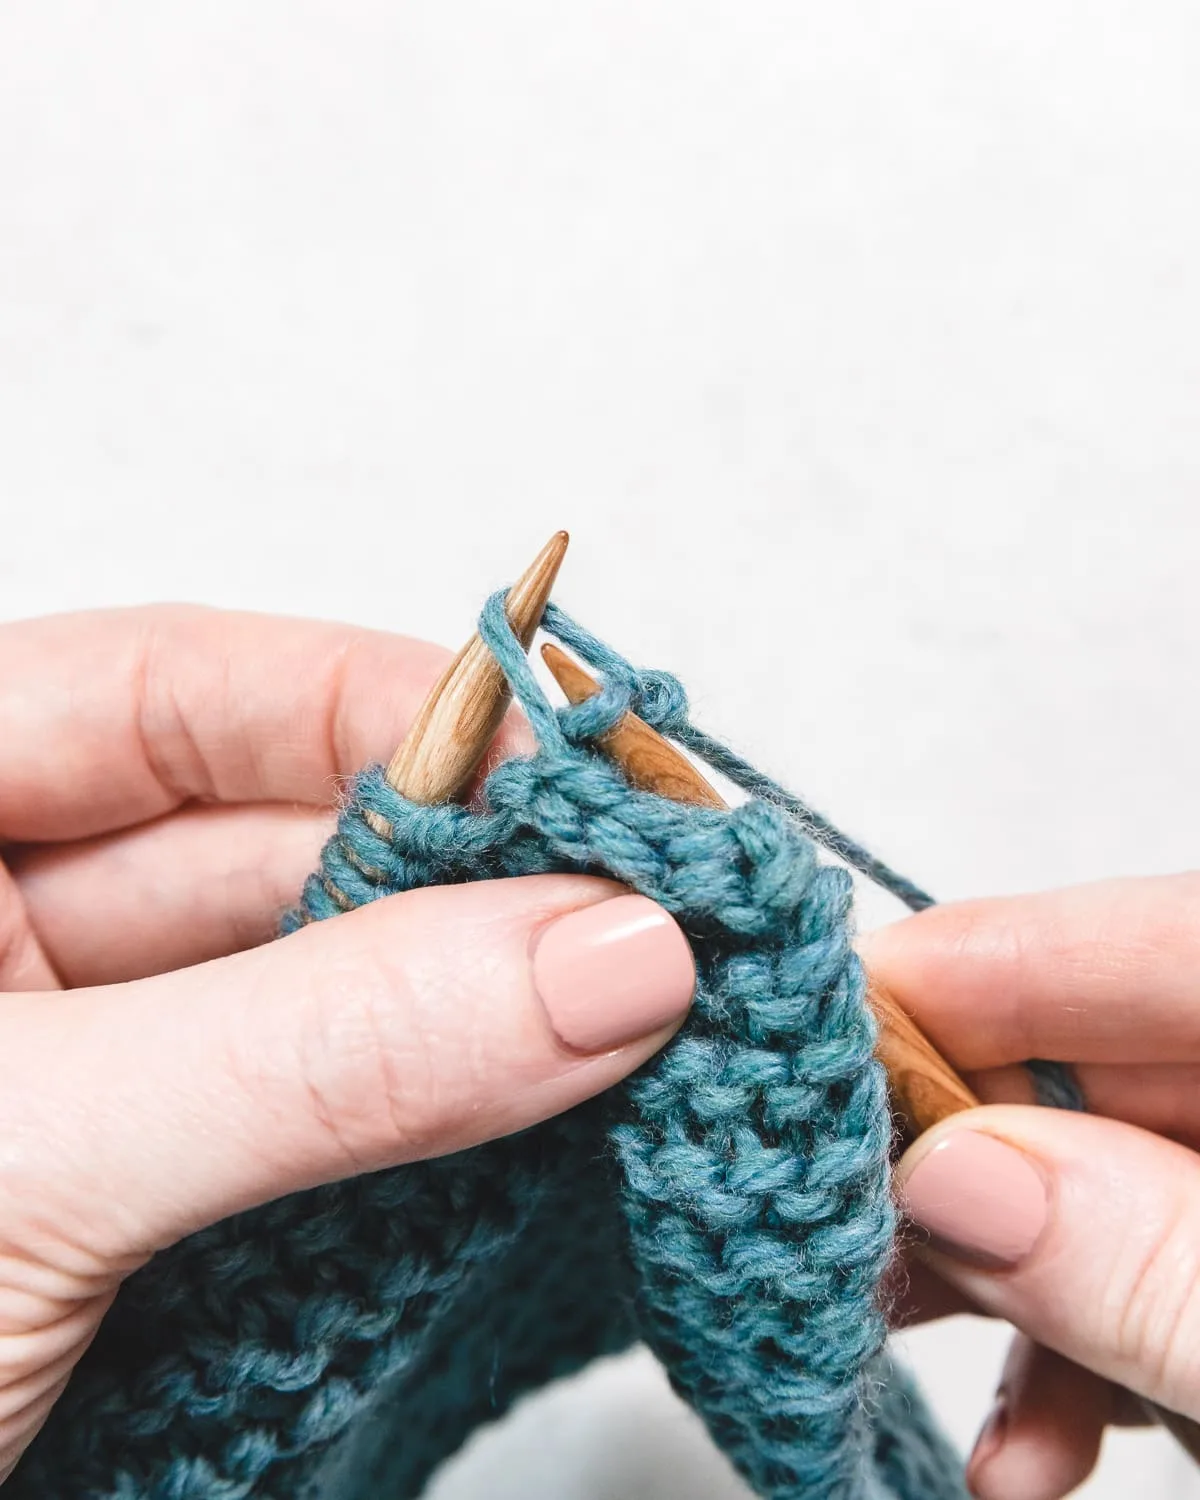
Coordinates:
(729, 1205)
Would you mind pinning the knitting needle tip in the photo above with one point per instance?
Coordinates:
(650, 762)
(457, 721)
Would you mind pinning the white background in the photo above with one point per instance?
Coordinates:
(856, 345)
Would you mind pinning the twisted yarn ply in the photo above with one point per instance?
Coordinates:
(729, 1204)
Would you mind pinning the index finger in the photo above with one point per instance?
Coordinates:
(112, 718)
(1102, 973)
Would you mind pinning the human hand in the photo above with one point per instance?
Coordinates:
(167, 778)
(1082, 1230)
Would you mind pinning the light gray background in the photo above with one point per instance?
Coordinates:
(856, 344)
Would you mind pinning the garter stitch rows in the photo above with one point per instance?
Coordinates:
(729, 1204)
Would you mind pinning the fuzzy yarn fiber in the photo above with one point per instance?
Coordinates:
(729, 1204)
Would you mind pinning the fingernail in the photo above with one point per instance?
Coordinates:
(988, 1444)
(980, 1199)
(613, 973)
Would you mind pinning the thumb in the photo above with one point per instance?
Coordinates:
(1082, 1231)
(418, 1025)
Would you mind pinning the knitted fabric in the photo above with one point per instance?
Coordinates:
(729, 1204)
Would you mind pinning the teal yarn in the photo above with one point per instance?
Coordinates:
(729, 1205)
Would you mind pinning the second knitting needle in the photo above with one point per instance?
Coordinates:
(925, 1088)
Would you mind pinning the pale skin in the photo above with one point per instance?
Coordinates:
(167, 777)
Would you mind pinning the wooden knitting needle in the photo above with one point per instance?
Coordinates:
(925, 1088)
(456, 723)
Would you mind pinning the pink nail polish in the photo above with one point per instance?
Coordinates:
(612, 973)
(980, 1199)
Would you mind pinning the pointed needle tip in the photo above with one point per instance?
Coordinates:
(454, 727)
(575, 682)
(528, 597)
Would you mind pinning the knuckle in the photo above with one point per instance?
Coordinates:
(23, 1415)
(1152, 1305)
(366, 1075)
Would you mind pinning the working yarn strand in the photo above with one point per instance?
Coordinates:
(659, 699)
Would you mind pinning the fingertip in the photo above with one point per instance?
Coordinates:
(1098, 973)
(896, 949)
(613, 972)
(1042, 1437)
(952, 967)
(978, 1197)
(987, 1448)
(1025, 1468)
